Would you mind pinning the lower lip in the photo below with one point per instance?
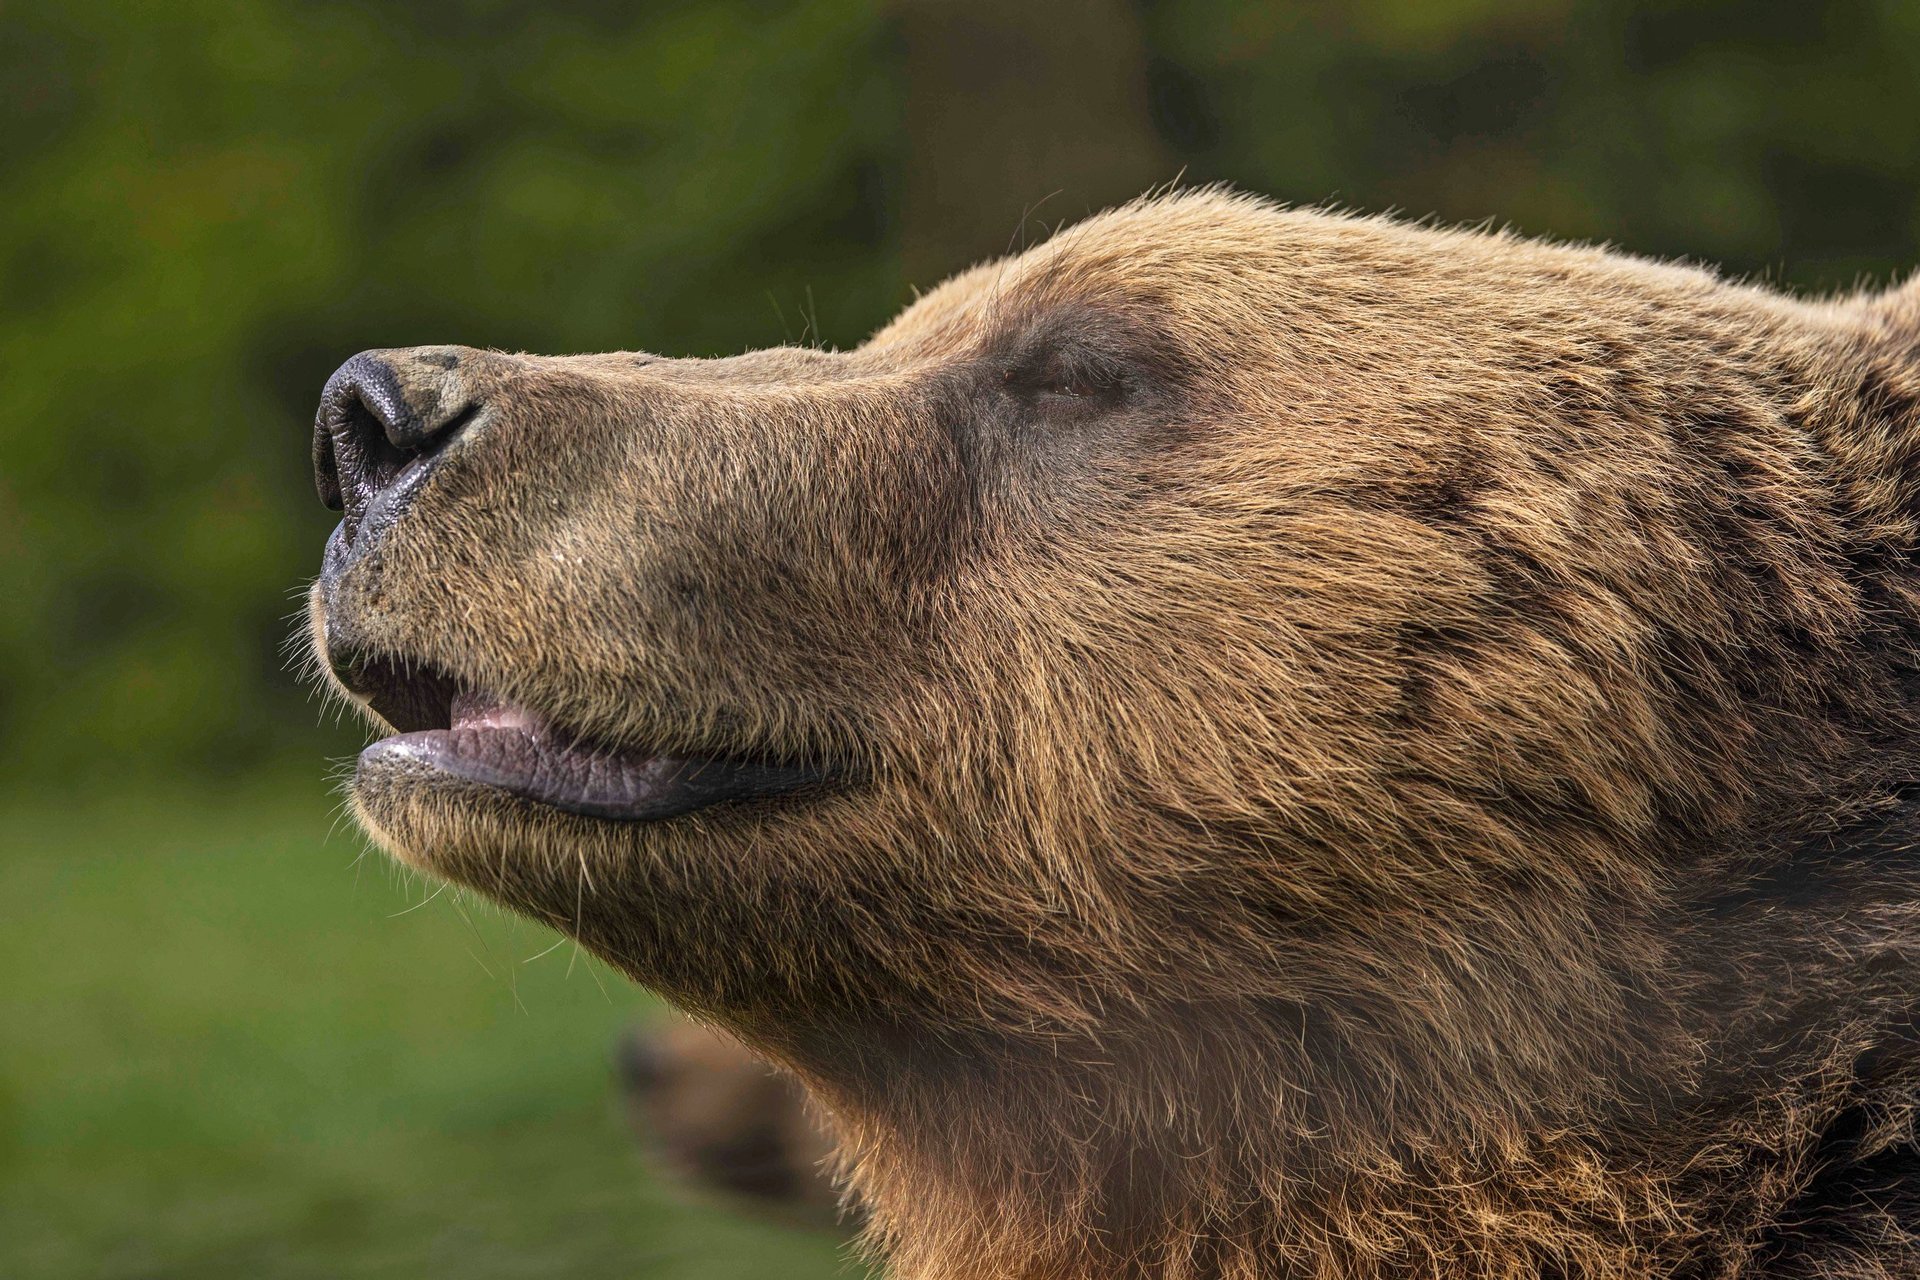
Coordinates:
(545, 769)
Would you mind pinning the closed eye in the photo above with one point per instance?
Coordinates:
(1067, 375)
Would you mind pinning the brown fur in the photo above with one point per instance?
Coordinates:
(1363, 751)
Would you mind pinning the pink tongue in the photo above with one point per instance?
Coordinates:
(473, 710)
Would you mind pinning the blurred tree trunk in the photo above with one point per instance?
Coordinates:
(1018, 112)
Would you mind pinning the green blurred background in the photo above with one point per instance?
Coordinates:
(231, 1045)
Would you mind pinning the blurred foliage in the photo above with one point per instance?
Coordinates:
(1773, 137)
(205, 206)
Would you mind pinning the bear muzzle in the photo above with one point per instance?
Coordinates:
(388, 420)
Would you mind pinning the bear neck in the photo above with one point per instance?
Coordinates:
(1007, 1173)
(1771, 1084)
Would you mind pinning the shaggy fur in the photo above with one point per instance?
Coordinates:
(1359, 750)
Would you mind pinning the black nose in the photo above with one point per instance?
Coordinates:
(384, 418)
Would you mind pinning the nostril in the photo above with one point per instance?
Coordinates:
(382, 455)
(355, 457)
(326, 472)
(372, 427)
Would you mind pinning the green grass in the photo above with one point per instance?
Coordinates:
(228, 1048)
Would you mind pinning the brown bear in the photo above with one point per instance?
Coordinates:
(1240, 742)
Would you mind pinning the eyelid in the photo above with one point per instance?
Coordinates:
(1060, 373)
(1092, 372)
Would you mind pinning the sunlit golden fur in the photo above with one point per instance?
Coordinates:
(1395, 773)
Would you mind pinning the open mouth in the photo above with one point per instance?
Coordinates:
(468, 734)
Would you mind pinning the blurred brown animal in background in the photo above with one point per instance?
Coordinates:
(1236, 743)
(721, 1119)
